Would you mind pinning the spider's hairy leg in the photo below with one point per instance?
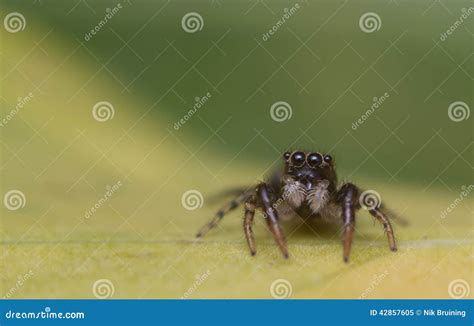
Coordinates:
(233, 204)
(272, 218)
(348, 199)
(382, 218)
(248, 221)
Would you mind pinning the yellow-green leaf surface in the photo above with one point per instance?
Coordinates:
(141, 238)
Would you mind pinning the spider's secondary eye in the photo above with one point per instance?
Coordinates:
(327, 158)
(298, 158)
(287, 155)
(314, 159)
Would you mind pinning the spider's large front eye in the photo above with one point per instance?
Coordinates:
(298, 158)
(328, 158)
(314, 159)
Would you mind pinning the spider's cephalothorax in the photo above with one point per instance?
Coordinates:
(309, 180)
(308, 188)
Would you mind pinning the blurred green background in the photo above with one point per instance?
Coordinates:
(151, 70)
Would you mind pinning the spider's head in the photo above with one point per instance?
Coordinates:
(309, 167)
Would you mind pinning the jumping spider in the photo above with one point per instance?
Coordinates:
(307, 187)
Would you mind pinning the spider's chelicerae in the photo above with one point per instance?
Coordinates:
(307, 187)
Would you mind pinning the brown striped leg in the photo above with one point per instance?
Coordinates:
(382, 218)
(248, 221)
(220, 214)
(272, 218)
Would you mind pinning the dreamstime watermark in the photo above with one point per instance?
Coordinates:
(458, 111)
(199, 280)
(14, 200)
(458, 289)
(199, 103)
(370, 22)
(109, 14)
(110, 191)
(465, 191)
(403, 255)
(14, 22)
(281, 289)
(465, 14)
(46, 314)
(377, 103)
(192, 22)
(21, 280)
(370, 199)
(376, 280)
(288, 13)
(21, 102)
(103, 111)
(281, 111)
(103, 289)
(192, 199)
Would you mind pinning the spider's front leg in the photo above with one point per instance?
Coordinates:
(271, 217)
(347, 196)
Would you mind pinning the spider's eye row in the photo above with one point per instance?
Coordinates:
(298, 158)
(327, 158)
(314, 159)
(287, 155)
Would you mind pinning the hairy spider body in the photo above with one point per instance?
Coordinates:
(307, 187)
